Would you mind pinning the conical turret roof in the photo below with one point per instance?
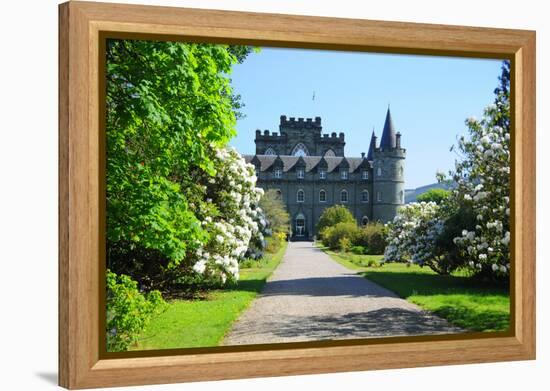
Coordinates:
(388, 134)
(370, 154)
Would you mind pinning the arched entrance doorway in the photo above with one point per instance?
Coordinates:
(300, 225)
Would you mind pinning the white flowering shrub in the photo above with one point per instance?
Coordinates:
(229, 213)
(483, 184)
(482, 179)
(413, 234)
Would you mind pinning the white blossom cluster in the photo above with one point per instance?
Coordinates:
(231, 216)
(483, 182)
(413, 233)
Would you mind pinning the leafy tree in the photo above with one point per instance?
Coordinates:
(168, 104)
(275, 211)
(433, 195)
(334, 215)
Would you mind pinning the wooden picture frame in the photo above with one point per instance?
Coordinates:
(83, 27)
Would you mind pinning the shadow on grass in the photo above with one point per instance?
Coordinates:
(484, 320)
(249, 285)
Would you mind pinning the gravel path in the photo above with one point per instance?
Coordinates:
(311, 297)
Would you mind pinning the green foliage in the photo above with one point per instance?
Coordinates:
(332, 216)
(344, 244)
(450, 257)
(360, 250)
(274, 243)
(275, 212)
(168, 104)
(332, 235)
(373, 237)
(433, 195)
(128, 311)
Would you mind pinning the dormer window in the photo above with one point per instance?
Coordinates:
(344, 174)
(300, 173)
(365, 175)
(278, 173)
(322, 174)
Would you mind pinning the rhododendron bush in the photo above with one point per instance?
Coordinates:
(230, 214)
(413, 234)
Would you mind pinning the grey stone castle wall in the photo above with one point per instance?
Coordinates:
(312, 208)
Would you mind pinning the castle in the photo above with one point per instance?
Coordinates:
(310, 172)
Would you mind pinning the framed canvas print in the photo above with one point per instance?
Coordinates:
(247, 195)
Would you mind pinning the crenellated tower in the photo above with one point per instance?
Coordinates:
(388, 172)
(304, 133)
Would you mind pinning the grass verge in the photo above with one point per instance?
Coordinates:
(463, 301)
(202, 323)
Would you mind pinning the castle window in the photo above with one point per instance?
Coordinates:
(379, 171)
(278, 173)
(300, 196)
(379, 196)
(329, 152)
(300, 150)
(365, 174)
(344, 174)
(270, 151)
(402, 196)
(322, 196)
(364, 220)
(257, 172)
(322, 174)
(365, 196)
(344, 196)
(278, 194)
(401, 171)
(300, 173)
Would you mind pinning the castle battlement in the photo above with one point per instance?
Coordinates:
(300, 122)
(267, 135)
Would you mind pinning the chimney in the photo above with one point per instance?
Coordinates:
(398, 140)
(362, 155)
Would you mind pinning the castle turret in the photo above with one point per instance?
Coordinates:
(372, 146)
(388, 173)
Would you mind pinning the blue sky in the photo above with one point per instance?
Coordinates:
(430, 97)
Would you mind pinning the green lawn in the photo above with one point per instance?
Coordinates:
(202, 323)
(464, 301)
